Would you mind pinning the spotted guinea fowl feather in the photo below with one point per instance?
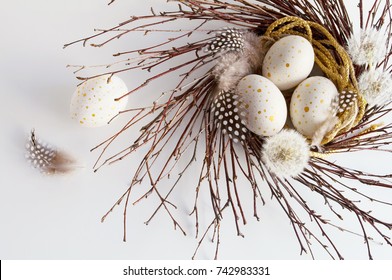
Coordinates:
(47, 159)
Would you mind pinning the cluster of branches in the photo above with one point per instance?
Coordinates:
(184, 119)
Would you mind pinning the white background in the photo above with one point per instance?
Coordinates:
(59, 217)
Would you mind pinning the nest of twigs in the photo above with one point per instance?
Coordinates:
(186, 120)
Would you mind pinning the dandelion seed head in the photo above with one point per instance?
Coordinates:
(376, 86)
(47, 159)
(369, 48)
(286, 154)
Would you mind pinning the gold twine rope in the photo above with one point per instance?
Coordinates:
(332, 59)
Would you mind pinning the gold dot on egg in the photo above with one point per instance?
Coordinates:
(249, 86)
(259, 90)
(307, 85)
(322, 101)
(271, 118)
(93, 115)
(269, 75)
(265, 110)
(259, 112)
(84, 94)
(81, 122)
(247, 106)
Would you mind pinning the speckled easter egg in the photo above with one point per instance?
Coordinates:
(311, 103)
(288, 62)
(262, 105)
(93, 103)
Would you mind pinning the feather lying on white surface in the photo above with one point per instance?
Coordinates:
(46, 159)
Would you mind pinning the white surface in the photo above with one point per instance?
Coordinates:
(59, 217)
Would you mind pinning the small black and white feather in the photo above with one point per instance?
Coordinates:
(47, 159)
(225, 112)
(230, 39)
(347, 99)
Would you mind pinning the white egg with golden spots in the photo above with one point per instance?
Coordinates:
(262, 106)
(93, 103)
(310, 105)
(288, 62)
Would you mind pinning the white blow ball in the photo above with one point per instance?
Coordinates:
(310, 104)
(288, 62)
(286, 154)
(263, 107)
(93, 103)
